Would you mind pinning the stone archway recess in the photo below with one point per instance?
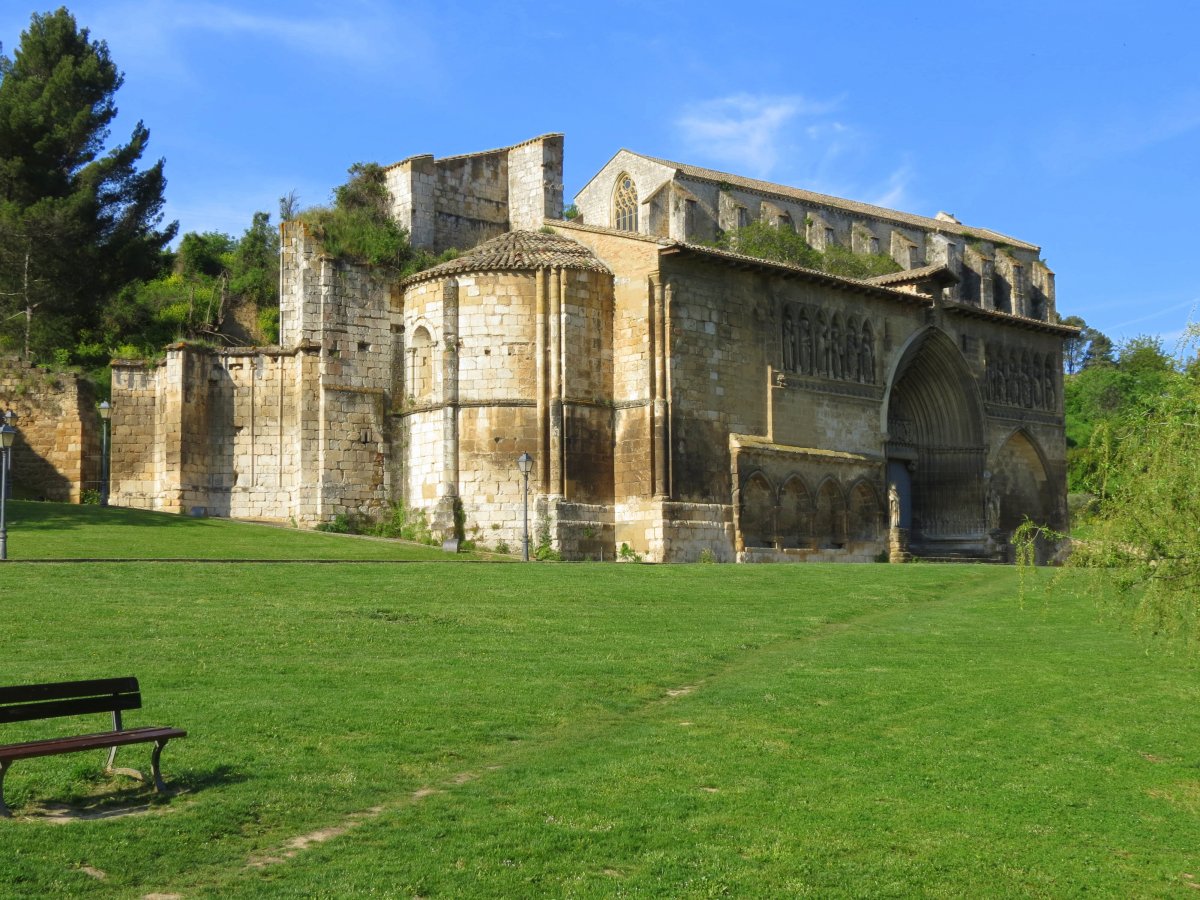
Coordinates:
(1021, 484)
(935, 429)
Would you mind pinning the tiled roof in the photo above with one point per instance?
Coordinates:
(741, 259)
(968, 309)
(867, 209)
(935, 272)
(518, 251)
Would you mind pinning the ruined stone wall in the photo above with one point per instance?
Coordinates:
(461, 201)
(293, 434)
(135, 454)
(535, 188)
(56, 454)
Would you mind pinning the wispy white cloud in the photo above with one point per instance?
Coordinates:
(358, 35)
(1126, 131)
(795, 140)
(745, 131)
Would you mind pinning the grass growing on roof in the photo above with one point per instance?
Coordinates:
(591, 730)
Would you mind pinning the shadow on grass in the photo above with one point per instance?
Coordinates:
(120, 795)
(34, 515)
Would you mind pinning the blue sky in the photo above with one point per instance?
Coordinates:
(1075, 126)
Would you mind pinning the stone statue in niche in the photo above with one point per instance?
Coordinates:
(991, 510)
(836, 349)
(806, 345)
(893, 506)
(866, 355)
(789, 342)
(822, 342)
(853, 368)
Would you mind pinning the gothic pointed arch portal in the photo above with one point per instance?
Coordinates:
(1019, 486)
(936, 436)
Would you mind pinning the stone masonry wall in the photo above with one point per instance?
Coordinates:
(57, 450)
(136, 463)
(994, 274)
(461, 201)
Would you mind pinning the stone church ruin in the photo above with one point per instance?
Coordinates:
(676, 398)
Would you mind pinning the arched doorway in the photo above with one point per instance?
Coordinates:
(1019, 485)
(935, 432)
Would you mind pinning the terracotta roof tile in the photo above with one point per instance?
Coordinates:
(518, 251)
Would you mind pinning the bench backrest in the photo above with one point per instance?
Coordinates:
(25, 702)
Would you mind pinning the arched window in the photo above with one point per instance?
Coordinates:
(625, 204)
(420, 378)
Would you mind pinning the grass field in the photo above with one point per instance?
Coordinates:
(447, 729)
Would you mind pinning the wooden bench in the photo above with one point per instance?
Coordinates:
(30, 702)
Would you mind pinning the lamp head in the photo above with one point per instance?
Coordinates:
(8, 434)
(105, 410)
(525, 463)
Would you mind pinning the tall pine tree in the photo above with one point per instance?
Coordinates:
(78, 220)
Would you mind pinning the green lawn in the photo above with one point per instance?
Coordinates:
(58, 530)
(601, 730)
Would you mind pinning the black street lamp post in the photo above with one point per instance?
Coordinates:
(525, 464)
(105, 415)
(8, 434)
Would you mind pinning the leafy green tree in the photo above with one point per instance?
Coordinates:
(1100, 350)
(1074, 348)
(78, 222)
(254, 266)
(1146, 534)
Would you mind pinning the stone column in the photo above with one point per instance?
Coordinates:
(555, 372)
(448, 491)
(658, 377)
(541, 482)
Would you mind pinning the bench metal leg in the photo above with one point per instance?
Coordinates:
(4, 810)
(155, 771)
